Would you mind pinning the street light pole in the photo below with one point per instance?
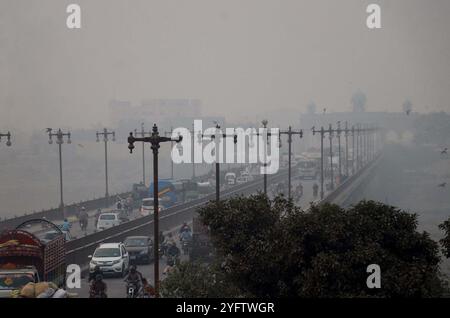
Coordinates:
(265, 136)
(353, 149)
(8, 138)
(322, 133)
(193, 155)
(330, 132)
(143, 134)
(59, 140)
(358, 146)
(105, 135)
(289, 133)
(338, 133)
(346, 149)
(169, 133)
(155, 139)
(216, 137)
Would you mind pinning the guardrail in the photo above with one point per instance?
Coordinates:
(55, 213)
(78, 250)
(350, 184)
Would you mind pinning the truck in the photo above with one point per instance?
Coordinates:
(166, 193)
(25, 256)
(308, 167)
(230, 178)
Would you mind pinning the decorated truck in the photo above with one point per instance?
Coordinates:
(25, 256)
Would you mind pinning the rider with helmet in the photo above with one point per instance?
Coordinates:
(98, 288)
(134, 278)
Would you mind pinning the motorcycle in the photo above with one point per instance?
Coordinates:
(185, 245)
(133, 290)
(83, 225)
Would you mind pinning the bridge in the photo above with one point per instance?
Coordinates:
(77, 250)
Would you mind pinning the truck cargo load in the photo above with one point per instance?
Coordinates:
(26, 256)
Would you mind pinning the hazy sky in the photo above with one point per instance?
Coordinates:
(240, 57)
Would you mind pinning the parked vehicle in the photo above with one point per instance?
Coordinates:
(140, 249)
(24, 257)
(111, 258)
(108, 220)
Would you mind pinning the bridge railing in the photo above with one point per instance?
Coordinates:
(347, 183)
(55, 213)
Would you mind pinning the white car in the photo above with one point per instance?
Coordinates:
(112, 258)
(107, 220)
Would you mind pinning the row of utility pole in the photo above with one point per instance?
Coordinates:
(364, 143)
(155, 139)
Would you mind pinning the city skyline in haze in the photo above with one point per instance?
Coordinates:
(242, 59)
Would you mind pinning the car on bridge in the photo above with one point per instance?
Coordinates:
(108, 219)
(140, 249)
(111, 258)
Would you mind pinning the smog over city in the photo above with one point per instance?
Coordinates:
(301, 146)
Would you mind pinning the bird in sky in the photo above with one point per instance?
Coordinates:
(442, 185)
(444, 151)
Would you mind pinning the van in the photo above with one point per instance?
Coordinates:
(108, 220)
(147, 206)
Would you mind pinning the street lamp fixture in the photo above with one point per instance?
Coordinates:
(105, 135)
(154, 139)
(8, 138)
(59, 135)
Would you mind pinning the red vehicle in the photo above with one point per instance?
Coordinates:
(22, 252)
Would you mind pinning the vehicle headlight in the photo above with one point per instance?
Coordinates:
(116, 262)
(94, 263)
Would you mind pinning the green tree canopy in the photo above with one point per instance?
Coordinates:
(272, 249)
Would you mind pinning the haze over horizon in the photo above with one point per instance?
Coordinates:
(240, 58)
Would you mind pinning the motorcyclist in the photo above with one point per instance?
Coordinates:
(98, 288)
(134, 277)
(185, 236)
(66, 225)
(97, 215)
(119, 204)
(172, 251)
(169, 266)
(148, 289)
(184, 227)
(84, 217)
(300, 189)
(315, 189)
(129, 203)
(96, 272)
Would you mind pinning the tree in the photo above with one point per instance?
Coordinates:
(273, 249)
(445, 242)
(195, 280)
(359, 100)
